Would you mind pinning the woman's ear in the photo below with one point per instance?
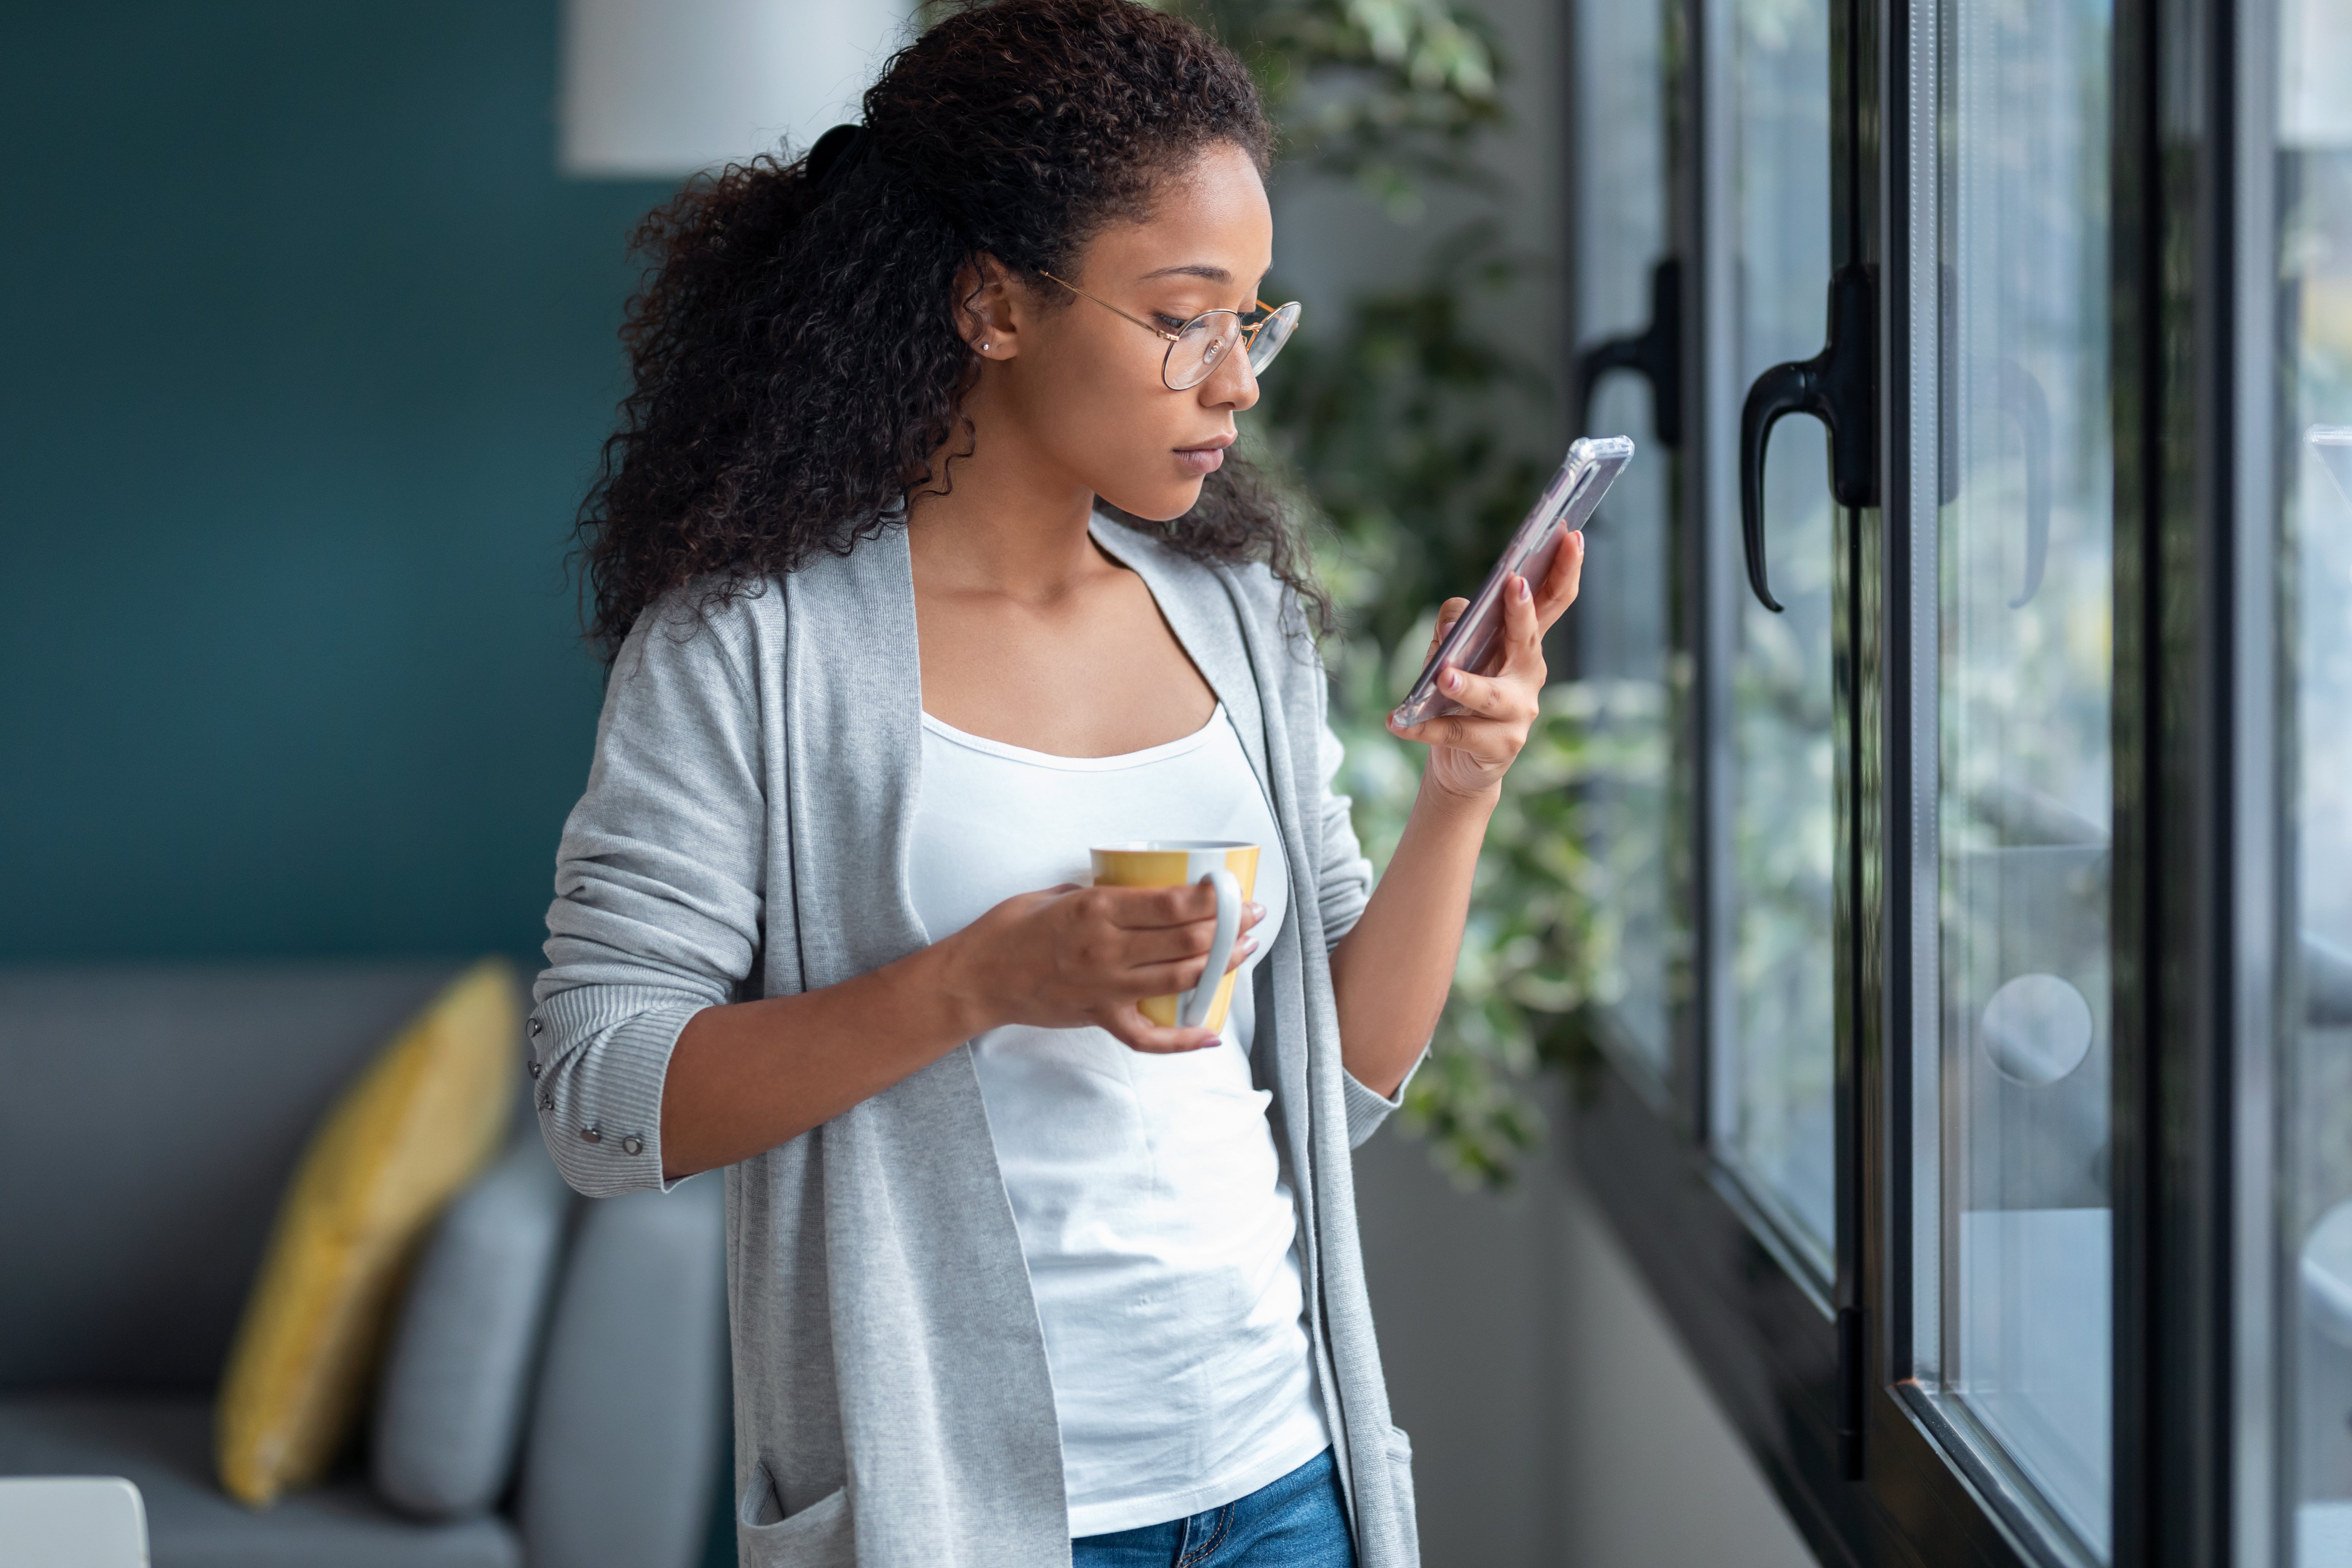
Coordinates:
(984, 313)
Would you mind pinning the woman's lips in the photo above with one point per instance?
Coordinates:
(1205, 458)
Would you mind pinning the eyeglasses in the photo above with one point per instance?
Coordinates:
(1196, 349)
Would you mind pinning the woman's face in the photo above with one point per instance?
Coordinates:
(1083, 387)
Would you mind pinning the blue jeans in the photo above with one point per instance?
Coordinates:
(1298, 1521)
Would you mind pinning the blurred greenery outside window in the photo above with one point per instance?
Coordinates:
(1414, 432)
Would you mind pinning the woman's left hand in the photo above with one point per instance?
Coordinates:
(1469, 752)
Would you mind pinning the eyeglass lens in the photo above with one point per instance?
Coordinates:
(1201, 346)
(1206, 341)
(1272, 334)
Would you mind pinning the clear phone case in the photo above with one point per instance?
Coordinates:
(1584, 476)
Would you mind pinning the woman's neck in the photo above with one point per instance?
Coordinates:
(1010, 521)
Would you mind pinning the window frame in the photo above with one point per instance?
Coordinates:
(2197, 889)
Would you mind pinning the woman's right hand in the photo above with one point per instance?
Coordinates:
(1068, 957)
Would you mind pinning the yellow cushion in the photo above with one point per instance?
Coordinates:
(423, 1119)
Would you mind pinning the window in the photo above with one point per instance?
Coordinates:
(1628, 288)
(1981, 1092)
(2018, 1331)
(1775, 964)
(2314, 247)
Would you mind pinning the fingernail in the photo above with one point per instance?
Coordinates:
(1256, 910)
(1523, 589)
(1451, 680)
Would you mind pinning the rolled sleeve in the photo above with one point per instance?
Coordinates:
(1367, 1109)
(658, 908)
(599, 1088)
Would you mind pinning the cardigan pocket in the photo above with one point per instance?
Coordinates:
(818, 1536)
(1408, 1525)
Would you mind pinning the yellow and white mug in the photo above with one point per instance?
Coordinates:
(1232, 870)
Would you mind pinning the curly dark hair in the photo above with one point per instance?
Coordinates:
(794, 348)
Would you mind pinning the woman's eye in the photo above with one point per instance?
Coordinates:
(1170, 323)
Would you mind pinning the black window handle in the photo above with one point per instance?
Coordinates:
(1656, 353)
(1838, 386)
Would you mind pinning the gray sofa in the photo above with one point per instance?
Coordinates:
(149, 1117)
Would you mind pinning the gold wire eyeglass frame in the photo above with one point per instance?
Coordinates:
(1250, 332)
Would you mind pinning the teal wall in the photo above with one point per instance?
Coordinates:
(308, 356)
(308, 352)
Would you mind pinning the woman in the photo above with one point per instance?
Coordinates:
(1017, 1275)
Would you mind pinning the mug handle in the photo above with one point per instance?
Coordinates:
(1199, 999)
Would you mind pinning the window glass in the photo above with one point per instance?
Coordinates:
(1621, 622)
(1776, 1049)
(2316, 299)
(2025, 605)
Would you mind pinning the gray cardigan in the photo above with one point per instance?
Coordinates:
(745, 833)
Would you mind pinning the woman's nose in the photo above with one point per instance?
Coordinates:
(1226, 392)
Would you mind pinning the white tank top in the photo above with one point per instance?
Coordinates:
(1157, 1227)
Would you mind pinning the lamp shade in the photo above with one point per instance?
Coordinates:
(660, 89)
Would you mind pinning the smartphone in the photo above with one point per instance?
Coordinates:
(1591, 467)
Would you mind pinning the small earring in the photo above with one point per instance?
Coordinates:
(986, 347)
